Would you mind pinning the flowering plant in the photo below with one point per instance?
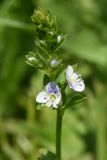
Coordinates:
(57, 77)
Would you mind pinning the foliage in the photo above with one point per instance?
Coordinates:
(23, 129)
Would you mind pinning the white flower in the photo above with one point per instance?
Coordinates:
(74, 80)
(51, 97)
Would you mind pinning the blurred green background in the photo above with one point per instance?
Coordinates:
(23, 129)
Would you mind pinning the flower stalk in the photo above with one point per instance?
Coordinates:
(58, 134)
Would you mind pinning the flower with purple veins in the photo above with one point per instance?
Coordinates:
(51, 97)
(74, 80)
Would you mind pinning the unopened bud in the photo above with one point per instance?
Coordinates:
(40, 15)
(54, 63)
(32, 60)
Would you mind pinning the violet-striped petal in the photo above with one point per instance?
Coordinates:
(74, 80)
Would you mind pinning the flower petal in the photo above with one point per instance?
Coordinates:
(69, 71)
(74, 80)
(57, 101)
(79, 87)
(52, 88)
(42, 97)
(49, 103)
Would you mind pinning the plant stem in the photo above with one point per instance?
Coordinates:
(58, 134)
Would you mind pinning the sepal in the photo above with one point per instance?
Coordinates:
(75, 66)
(40, 106)
(32, 60)
(55, 40)
(60, 39)
(42, 48)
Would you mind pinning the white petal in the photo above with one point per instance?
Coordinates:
(69, 83)
(42, 97)
(79, 87)
(57, 101)
(69, 71)
(49, 103)
(75, 76)
(74, 80)
(59, 38)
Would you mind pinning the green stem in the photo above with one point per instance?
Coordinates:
(58, 134)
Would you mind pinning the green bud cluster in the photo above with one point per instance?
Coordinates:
(47, 42)
(43, 19)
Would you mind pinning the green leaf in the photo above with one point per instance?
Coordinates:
(12, 152)
(46, 155)
(42, 48)
(77, 98)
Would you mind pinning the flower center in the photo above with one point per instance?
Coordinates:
(52, 97)
(73, 79)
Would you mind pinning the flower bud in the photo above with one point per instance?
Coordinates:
(32, 60)
(54, 63)
(38, 16)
